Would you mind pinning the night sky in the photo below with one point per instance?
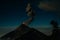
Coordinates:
(12, 14)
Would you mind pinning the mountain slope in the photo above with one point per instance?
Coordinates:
(23, 32)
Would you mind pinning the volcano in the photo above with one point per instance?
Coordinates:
(23, 32)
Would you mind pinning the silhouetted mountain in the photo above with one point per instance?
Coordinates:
(24, 33)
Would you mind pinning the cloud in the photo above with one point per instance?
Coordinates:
(52, 5)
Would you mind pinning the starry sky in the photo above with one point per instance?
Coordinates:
(12, 13)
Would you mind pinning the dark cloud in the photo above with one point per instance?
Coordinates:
(52, 5)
